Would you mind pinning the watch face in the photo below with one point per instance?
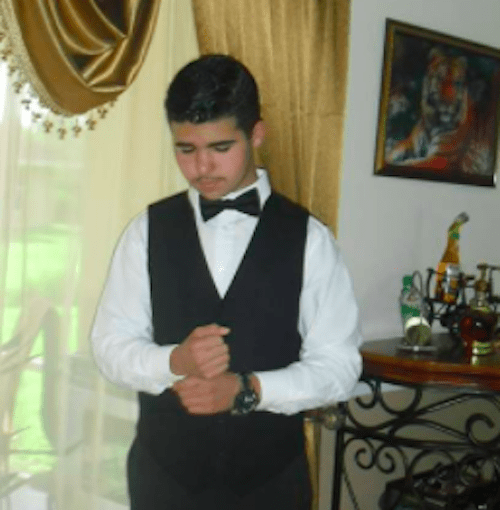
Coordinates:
(245, 402)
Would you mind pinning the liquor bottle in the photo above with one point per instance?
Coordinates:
(414, 313)
(481, 290)
(479, 319)
(448, 269)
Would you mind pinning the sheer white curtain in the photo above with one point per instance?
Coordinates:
(63, 204)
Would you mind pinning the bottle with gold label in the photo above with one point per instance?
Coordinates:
(479, 319)
(482, 288)
(448, 270)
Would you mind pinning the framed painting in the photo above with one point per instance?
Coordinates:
(439, 107)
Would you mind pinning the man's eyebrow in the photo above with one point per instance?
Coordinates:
(230, 141)
(222, 142)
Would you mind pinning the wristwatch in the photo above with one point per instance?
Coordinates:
(247, 399)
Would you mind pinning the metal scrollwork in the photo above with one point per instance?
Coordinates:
(436, 457)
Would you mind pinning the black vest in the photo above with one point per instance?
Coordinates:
(261, 307)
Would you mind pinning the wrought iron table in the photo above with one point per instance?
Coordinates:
(440, 464)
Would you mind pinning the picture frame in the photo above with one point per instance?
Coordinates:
(439, 107)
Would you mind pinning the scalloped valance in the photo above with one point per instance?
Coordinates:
(74, 57)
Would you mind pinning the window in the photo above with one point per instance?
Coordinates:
(40, 246)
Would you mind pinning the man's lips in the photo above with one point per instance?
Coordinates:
(208, 183)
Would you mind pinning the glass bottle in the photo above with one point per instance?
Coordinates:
(481, 289)
(414, 313)
(448, 269)
(479, 319)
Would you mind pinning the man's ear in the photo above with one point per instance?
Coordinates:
(258, 133)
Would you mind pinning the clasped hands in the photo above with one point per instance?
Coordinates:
(203, 357)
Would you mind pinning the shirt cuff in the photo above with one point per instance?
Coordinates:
(162, 376)
(274, 393)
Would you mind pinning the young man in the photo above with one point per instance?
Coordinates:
(230, 310)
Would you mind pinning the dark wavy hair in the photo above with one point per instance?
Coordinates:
(211, 88)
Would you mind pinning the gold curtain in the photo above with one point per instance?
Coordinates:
(297, 50)
(78, 55)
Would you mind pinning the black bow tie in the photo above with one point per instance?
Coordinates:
(247, 203)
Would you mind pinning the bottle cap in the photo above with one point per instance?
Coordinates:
(407, 280)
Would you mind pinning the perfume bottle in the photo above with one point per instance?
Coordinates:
(448, 269)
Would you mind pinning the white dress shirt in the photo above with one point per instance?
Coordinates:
(329, 364)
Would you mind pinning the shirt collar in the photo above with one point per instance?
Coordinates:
(262, 185)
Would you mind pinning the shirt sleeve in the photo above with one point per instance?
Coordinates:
(121, 335)
(330, 363)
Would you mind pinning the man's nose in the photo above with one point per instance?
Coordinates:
(203, 161)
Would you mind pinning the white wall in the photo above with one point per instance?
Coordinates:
(390, 226)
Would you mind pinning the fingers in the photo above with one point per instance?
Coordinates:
(210, 330)
(208, 350)
(207, 396)
(210, 355)
(215, 366)
(203, 353)
(195, 395)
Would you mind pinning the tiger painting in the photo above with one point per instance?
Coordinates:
(449, 136)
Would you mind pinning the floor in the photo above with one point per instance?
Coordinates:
(27, 498)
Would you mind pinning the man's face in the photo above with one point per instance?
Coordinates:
(216, 157)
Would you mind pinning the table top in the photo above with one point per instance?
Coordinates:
(446, 366)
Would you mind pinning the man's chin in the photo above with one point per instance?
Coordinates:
(210, 190)
(211, 196)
